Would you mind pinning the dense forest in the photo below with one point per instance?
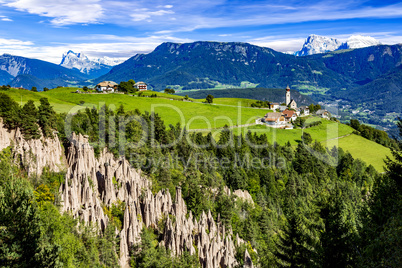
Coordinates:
(313, 206)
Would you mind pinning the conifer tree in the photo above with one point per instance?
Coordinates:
(293, 248)
(337, 239)
(9, 111)
(47, 117)
(30, 128)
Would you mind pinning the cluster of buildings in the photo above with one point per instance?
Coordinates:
(285, 114)
(110, 86)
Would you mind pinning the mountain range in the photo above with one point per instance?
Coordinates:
(315, 44)
(366, 78)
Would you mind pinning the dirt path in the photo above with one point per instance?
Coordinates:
(337, 138)
(235, 126)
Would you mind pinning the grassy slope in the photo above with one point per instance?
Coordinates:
(327, 130)
(368, 151)
(232, 101)
(327, 133)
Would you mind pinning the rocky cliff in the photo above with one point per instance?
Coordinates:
(33, 155)
(92, 183)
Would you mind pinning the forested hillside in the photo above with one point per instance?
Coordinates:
(312, 206)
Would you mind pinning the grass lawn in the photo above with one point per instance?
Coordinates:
(368, 151)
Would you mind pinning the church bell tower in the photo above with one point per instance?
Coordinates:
(287, 96)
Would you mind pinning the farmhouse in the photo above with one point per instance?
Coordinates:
(323, 113)
(106, 86)
(282, 108)
(274, 119)
(305, 110)
(289, 115)
(141, 86)
(274, 106)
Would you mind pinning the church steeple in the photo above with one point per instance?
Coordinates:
(287, 96)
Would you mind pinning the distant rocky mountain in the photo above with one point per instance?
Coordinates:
(359, 41)
(19, 70)
(315, 44)
(92, 67)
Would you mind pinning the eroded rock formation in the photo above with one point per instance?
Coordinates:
(92, 183)
(33, 155)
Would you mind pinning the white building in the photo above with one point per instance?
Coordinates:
(274, 119)
(305, 110)
(106, 86)
(141, 86)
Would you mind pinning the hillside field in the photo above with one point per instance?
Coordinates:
(330, 134)
(368, 151)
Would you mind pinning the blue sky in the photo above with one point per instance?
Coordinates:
(44, 29)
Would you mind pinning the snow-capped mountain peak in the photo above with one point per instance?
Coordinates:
(315, 44)
(84, 64)
(360, 41)
(318, 44)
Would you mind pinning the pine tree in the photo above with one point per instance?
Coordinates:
(20, 232)
(47, 117)
(337, 240)
(9, 111)
(30, 128)
(293, 248)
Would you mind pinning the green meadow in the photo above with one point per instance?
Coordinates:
(326, 131)
(366, 150)
(330, 134)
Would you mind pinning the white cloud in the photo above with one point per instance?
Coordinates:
(120, 47)
(62, 12)
(7, 44)
(165, 6)
(283, 45)
(4, 18)
(144, 14)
